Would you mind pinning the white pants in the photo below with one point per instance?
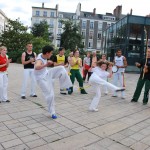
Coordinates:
(26, 74)
(119, 77)
(105, 87)
(46, 85)
(96, 82)
(3, 86)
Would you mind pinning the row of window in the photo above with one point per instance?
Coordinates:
(45, 14)
(109, 18)
(91, 35)
(84, 24)
(90, 44)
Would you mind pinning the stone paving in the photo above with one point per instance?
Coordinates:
(118, 125)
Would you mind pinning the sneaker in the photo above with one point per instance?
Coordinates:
(63, 93)
(145, 103)
(33, 95)
(54, 116)
(114, 96)
(23, 97)
(7, 101)
(93, 109)
(133, 100)
(122, 89)
(106, 93)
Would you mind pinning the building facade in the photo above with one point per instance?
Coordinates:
(91, 24)
(3, 21)
(131, 34)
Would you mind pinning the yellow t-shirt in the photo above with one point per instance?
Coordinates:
(76, 66)
(60, 59)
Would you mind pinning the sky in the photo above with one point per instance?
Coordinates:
(22, 9)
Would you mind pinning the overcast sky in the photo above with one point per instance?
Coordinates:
(23, 8)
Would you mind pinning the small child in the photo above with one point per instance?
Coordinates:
(97, 79)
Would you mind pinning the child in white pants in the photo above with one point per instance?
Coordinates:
(45, 78)
(96, 80)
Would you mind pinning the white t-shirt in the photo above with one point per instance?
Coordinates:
(40, 74)
(101, 73)
(119, 62)
(87, 60)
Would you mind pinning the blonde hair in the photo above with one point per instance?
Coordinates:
(3, 47)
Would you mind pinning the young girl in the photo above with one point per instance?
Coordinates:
(96, 80)
(4, 62)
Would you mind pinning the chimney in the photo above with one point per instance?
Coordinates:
(42, 5)
(131, 11)
(94, 11)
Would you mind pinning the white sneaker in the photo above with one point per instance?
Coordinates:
(93, 109)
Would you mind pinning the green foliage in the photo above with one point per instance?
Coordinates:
(15, 37)
(41, 30)
(15, 55)
(38, 43)
(70, 38)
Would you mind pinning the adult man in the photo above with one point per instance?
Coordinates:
(61, 60)
(121, 63)
(143, 79)
(45, 77)
(86, 66)
(28, 59)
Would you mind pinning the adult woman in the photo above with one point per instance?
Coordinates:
(4, 62)
(76, 63)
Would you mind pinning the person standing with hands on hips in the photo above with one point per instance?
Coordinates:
(28, 59)
(121, 63)
(4, 63)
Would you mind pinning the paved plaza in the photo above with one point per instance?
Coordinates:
(118, 125)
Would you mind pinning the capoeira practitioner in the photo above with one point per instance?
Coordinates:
(76, 63)
(28, 59)
(86, 66)
(61, 60)
(4, 63)
(121, 63)
(144, 79)
(103, 59)
(96, 80)
(45, 77)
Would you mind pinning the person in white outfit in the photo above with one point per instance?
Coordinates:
(45, 77)
(103, 59)
(121, 63)
(96, 80)
(28, 59)
(4, 63)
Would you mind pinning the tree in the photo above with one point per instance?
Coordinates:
(15, 38)
(38, 44)
(71, 38)
(41, 30)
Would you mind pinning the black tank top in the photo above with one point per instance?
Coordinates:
(27, 57)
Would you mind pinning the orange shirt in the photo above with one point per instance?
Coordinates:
(3, 60)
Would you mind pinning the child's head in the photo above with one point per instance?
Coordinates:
(102, 65)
